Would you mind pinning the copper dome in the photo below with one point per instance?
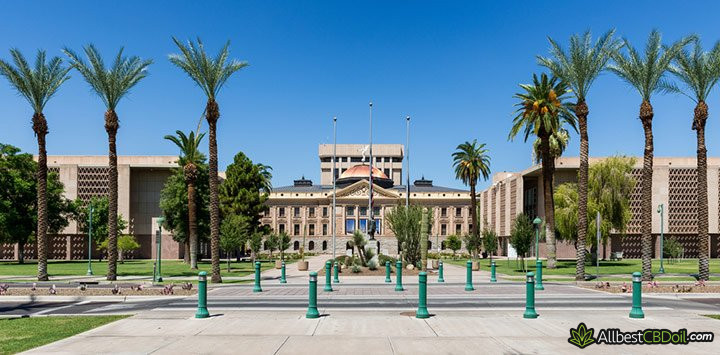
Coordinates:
(362, 171)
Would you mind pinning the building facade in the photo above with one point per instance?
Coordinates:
(674, 185)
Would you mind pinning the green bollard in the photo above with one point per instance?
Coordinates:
(440, 272)
(398, 277)
(492, 272)
(387, 272)
(530, 297)
(282, 273)
(335, 273)
(312, 311)
(468, 278)
(257, 287)
(202, 311)
(328, 285)
(538, 278)
(422, 311)
(636, 311)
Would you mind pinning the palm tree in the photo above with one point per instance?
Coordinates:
(471, 161)
(111, 84)
(542, 113)
(37, 86)
(190, 157)
(646, 74)
(579, 67)
(210, 74)
(699, 71)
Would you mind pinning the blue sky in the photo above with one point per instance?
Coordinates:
(452, 66)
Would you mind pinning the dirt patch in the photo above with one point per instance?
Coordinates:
(95, 291)
(660, 288)
(364, 271)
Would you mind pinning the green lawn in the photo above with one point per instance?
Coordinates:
(564, 267)
(714, 316)
(20, 334)
(129, 268)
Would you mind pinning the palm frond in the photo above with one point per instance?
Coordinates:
(697, 70)
(471, 161)
(39, 84)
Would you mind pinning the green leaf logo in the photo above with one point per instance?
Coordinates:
(582, 336)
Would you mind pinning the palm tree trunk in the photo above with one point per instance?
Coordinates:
(581, 111)
(192, 216)
(186, 254)
(473, 210)
(213, 114)
(40, 128)
(548, 169)
(646, 116)
(701, 115)
(111, 127)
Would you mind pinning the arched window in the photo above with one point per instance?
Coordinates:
(324, 245)
(264, 245)
(311, 245)
(429, 245)
(442, 245)
(348, 246)
(296, 245)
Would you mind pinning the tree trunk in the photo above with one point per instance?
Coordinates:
(473, 210)
(190, 174)
(111, 127)
(21, 253)
(581, 111)
(213, 114)
(701, 115)
(646, 116)
(41, 130)
(186, 254)
(548, 169)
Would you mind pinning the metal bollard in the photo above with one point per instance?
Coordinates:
(202, 311)
(468, 278)
(636, 311)
(257, 287)
(492, 272)
(312, 311)
(328, 285)
(282, 273)
(335, 273)
(398, 277)
(440, 272)
(422, 311)
(530, 297)
(538, 278)
(387, 272)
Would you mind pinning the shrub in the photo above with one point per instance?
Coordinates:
(356, 269)
(672, 248)
(383, 258)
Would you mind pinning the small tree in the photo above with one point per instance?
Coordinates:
(490, 241)
(521, 236)
(255, 242)
(233, 233)
(454, 243)
(272, 242)
(283, 244)
(473, 243)
(126, 243)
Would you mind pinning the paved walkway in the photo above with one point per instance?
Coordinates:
(375, 332)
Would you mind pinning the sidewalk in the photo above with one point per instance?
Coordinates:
(375, 332)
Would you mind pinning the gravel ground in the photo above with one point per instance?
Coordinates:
(660, 288)
(95, 291)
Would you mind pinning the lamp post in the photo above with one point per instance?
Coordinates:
(537, 221)
(407, 158)
(89, 270)
(158, 242)
(334, 172)
(661, 211)
(371, 222)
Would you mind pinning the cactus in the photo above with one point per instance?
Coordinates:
(423, 240)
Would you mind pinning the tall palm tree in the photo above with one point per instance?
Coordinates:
(37, 85)
(472, 161)
(111, 84)
(210, 74)
(646, 74)
(190, 157)
(579, 67)
(542, 113)
(699, 71)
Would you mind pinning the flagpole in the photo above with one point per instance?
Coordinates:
(370, 225)
(407, 157)
(334, 171)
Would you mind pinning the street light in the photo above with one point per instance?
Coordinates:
(89, 270)
(661, 210)
(537, 222)
(158, 242)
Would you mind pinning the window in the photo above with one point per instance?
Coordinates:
(376, 211)
(363, 211)
(325, 212)
(378, 224)
(312, 229)
(265, 246)
(266, 212)
(296, 212)
(458, 228)
(296, 229)
(387, 172)
(350, 210)
(378, 159)
(281, 211)
(311, 212)
(443, 229)
(458, 212)
(443, 212)
(356, 159)
(349, 226)
(363, 225)
(281, 228)
(324, 227)
(296, 245)
(324, 245)
(311, 245)
(326, 159)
